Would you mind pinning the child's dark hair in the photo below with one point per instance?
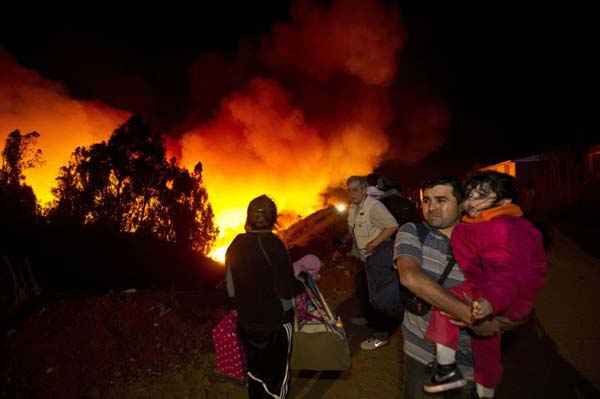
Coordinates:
(502, 184)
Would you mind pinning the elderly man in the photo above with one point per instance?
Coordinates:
(372, 227)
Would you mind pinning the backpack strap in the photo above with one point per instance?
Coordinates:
(422, 232)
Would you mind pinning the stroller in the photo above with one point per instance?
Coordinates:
(319, 342)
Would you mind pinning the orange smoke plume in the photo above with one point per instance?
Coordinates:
(293, 140)
(29, 102)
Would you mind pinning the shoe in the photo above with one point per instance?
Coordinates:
(444, 379)
(373, 343)
(475, 394)
(359, 321)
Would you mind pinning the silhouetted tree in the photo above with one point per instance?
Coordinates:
(19, 215)
(19, 153)
(18, 205)
(185, 201)
(126, 184)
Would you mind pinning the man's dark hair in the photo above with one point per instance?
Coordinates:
(502, 184)
(457, 188)
(262, 213)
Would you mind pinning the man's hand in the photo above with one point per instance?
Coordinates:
(481, 309)
(487, 328)
(508, 325)
(371, 246)
(381, 237)
(496, 325)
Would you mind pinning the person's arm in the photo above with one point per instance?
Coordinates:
(229, 283)
(381, 237)
(412, 277)
(383, 219)
(230, 286)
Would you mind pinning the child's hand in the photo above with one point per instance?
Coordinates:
(481, 308)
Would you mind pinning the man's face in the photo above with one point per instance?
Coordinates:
(356, 192)
(440, 208)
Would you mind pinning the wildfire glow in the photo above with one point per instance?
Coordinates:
(341, 207)
(218, 254)
(261, 144)
(321, 110)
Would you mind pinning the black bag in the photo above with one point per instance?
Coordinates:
(402, 209)
(413, 303)
(386, 294)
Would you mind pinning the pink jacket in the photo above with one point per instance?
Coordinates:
(503, 260)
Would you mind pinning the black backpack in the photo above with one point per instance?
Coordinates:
(402, 209)
(386, 293)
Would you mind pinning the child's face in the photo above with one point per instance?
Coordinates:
(479, 200)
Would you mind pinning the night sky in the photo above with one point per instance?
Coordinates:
(515, 80)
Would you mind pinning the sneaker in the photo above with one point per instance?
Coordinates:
(444, 379)
(373, 343)
(474, 394)
(359, 321)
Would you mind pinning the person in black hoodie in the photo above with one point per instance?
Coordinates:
(260, 280)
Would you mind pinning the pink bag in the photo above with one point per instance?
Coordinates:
(229, 353)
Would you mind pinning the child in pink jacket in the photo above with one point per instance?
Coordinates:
(502, 257)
